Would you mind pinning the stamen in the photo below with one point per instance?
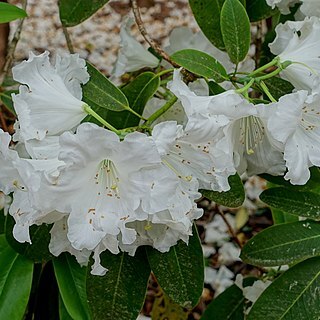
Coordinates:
(186, 178)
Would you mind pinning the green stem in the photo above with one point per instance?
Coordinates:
(266, 66)
(162, 110)
(135, 113)
(246, 87)
(268, 75)
(267, 92)
(87, 109)
(163, 72)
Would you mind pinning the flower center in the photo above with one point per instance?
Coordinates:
(310, 118)
(251, 133)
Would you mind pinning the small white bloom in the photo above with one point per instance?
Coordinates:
(229, 253)
(217, 230)
(49, 101)
(132, 55)
(282, 5)
(299, 42)
(295, 122)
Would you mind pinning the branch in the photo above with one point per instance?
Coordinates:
(68, 39)
(12, 46)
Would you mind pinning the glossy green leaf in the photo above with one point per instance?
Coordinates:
(180, 272)
(294, 295)
(233, 198)
(215, 88)
(120, 293)
(207, 14)
(258, 10)
(9, 12)
(38, 250)
(279, 216)
(63, 313)
(2, 221)
(101, 93)
(283, 244)
(138, 92)
(235, 28)
(201, 64)
(229, 305)
(15, 282)
(278, 87)
(301, 203)
(313, 183)
(6, 99)
(71, 278)
(73, 12)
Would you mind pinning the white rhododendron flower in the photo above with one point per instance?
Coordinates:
(132, 55)
(299, 42)
(97, 186)
(49, 101)
(243, 143)
(310, 8)
(282, 5)
(219, 280)
(295, 122)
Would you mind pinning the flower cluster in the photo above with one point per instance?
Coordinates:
(102, 191)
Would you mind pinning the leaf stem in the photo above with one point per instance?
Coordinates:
(266, 66)
(246, 87)
(87, 109)
(267, 92)
(161, 111)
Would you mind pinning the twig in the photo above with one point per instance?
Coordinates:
(3, 121)
(68, 39)
(143, 31)
(12, 46)
(233, 234)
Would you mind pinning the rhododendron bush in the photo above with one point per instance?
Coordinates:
(101, 177)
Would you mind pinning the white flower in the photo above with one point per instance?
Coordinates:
(49, 101)
(282, 5)
(241, 139)
(97, 186)
(132, 55)
(5, 202)
(299, 42)
(229, 253)
(295, 122)
(310, 8)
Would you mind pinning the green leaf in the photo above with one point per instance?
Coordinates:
(313, 183)
(40, 237)
(283, 244)
(229, 305)
(138, 92)
(2, 221)
(71, 278)
(201, 64)
(9, 12)
(278, 87)
(279, 216)
(101, 93)
(180, 272)
(207, 14)
(6, 99)
(233, 198)
(235, 28)
(258, 10)
(73, 12)
(120, 293)
(15, 282)
(300, 203)
(214, 88)
(292, 296)
(63, 313)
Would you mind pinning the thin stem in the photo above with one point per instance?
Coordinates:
(68, 39)
(87, 109)
(246, 87)
(233, 234)
(268, 75)
(267, 92)
(163, 72)
(162, 110)
(135, 113)
(266, 66)
(12, 46)
(143, 31)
